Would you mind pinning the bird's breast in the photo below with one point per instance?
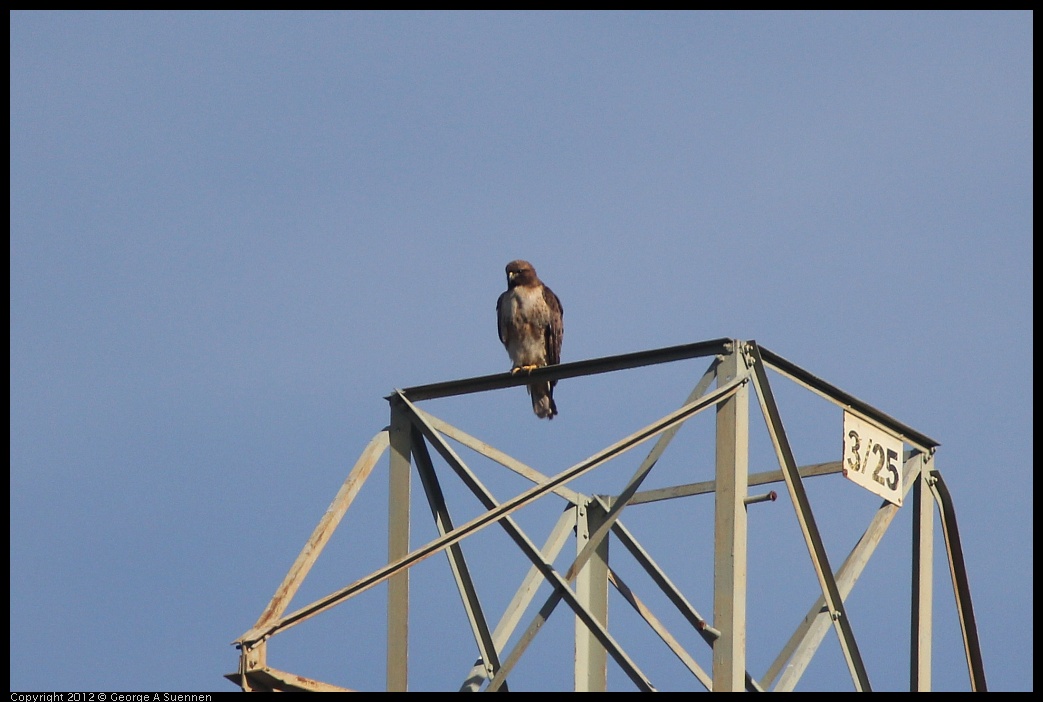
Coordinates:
(525, 314)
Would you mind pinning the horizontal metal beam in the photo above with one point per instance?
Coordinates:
(272, 680)
(832, 392)
(591, 366)
(689, 489)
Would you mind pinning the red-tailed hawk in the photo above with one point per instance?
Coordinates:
(528, 315)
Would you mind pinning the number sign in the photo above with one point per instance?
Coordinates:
(873, 458)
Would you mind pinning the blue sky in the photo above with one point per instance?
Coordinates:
(233, 234)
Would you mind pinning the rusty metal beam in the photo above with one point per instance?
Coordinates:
(272, 680)
(327, 525)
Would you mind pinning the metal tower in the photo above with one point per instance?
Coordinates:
(880, 454)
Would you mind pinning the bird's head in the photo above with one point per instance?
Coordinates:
(520, 273)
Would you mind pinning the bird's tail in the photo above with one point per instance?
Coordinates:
(543, 400)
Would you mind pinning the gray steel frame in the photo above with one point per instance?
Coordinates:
(737, 366)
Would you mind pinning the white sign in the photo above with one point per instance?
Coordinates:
(873, 458)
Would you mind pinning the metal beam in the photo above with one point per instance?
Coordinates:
(673, 594)
(802, 645)
(271, 680)
(660, 578)
(398, 547)
(498, 456)
(482, 521)
(843, 399)
(701, 488)
(325, 528)
(657, 626)
(630, 489)
(596, 539)
(612, 510)
(591, 366)
(806, 520)
(592, 591)
(921, 611)
(729, 560)
(561, 586)
(960, 583)
(526, 638)
(598, 515)
(457, 563)
(524, 594)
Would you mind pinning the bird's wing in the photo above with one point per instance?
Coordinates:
(555, 326)
(501, 321)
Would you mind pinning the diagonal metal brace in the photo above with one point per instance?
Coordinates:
(812, 537)
(457, 563)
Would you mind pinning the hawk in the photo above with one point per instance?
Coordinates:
(528, 315)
